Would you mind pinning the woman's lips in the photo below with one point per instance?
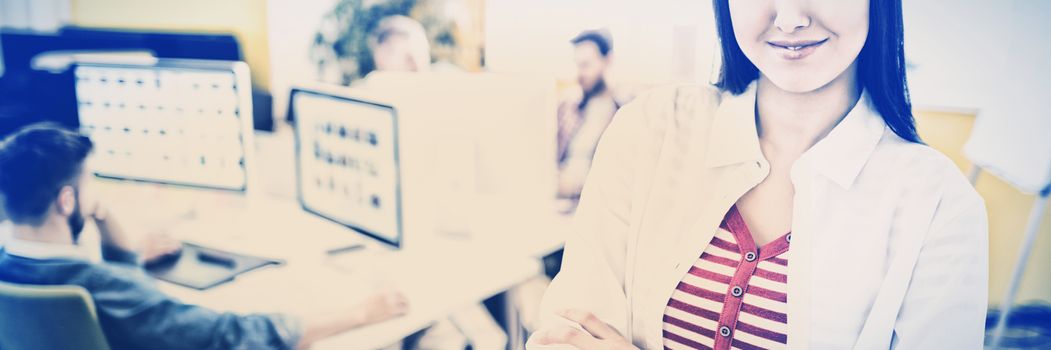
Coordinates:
(796, 50)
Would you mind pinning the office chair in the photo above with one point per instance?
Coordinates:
(48, 318)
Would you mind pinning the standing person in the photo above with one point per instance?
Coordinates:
(584, 115)
(791, 206)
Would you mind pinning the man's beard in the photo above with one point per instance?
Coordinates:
(76, 221)
(598, 88)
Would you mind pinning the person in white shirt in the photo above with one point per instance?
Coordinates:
(797, 184)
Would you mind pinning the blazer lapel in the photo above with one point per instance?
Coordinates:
(719, 166)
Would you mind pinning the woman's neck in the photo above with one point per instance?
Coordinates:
(790, 123)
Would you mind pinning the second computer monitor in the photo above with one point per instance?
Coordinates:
(347, 162)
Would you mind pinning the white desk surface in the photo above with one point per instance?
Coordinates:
(536, 234)
(437, 274)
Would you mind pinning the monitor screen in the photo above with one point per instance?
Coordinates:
(182, 122)
(347, 162)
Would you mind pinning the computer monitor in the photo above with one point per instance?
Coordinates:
(31, 95)
(172, 121)
(347, 162)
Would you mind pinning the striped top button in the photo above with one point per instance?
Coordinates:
(724, 331)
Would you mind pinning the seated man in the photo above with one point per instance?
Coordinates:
(45, 186)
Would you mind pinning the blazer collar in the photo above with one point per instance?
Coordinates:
(734, 138)
(840, 155)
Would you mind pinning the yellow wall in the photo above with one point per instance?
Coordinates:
(246, 19)
(1008, 211)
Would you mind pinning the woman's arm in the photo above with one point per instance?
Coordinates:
(592, 275)
(947, 299)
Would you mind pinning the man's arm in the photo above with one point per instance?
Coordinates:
(373, 310)
(164, 319)
(135, 314)
(117, 246)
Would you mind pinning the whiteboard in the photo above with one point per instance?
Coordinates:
(991, 57)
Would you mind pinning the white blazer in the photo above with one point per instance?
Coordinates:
(889, 240)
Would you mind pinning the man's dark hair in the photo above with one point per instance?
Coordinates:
(35, 163)
(602, 39)
(881, 64)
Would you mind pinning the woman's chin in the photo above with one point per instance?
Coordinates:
(799, 83)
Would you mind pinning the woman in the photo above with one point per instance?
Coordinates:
(791, 206)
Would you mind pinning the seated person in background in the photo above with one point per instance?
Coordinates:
(400, 43)
(584, 114)
(44, 181)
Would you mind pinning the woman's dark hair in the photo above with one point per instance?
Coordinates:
(881, 64)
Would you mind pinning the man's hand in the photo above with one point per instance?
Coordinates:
(596, 334)
(110, 231)
(382, 307)
(158, 246)
(153, 247)
(378, 308)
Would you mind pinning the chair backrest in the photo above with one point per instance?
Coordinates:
(48, 317)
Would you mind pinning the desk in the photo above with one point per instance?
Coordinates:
(438, 272)
(515, 233)
(493, 223)
(437, 275)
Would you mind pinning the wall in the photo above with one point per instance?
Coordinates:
(991, 56)
(246, 19)
(293, 24)
(655, 42)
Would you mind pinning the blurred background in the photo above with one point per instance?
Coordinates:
(977, 72)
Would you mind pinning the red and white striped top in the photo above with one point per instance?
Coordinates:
(734, 296)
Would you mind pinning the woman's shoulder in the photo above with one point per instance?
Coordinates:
(667, 116)
(666, 100)
(922, 169)
(667, 109)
